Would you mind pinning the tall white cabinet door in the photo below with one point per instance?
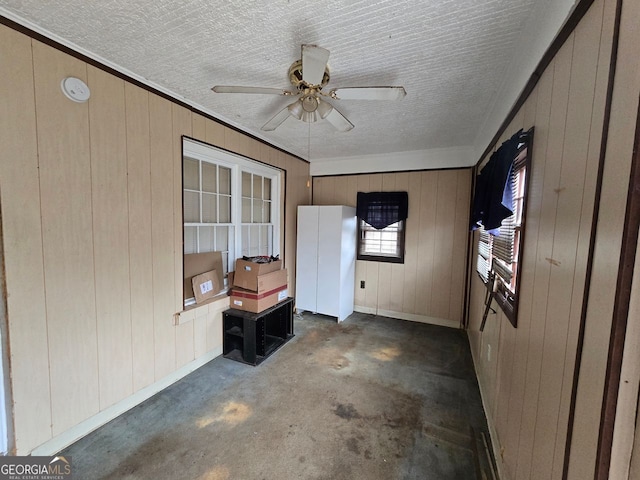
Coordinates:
(329, 260)
(348, 250)
(307, 258)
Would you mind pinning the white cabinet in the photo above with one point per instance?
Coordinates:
(326, 259)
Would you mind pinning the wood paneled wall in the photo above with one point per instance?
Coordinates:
(526, 374)
(429, 286)
(91, 199)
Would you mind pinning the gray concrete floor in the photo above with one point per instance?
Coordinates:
(370, 398)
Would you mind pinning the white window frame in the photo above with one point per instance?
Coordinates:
(237, 164)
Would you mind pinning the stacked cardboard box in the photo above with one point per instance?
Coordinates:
(203, 277)
(258, 286)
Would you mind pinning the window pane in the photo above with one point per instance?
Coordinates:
(225, 209)
(266, 212)
(246, 210)
(190, 240)
(254, 240)
(257, 211)
(191, 174)
(209, 208)
(191, 207)
(384, 242)
(225, 180)
(257, 186)
(205, 237)
(208, 177)
(246, 184)
(267, 189)
(245, 240)
(264, 239)
(222, 238)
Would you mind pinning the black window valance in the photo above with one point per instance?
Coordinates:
(381, 209)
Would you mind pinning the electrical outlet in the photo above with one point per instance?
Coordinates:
(488, 353)
(361, 283)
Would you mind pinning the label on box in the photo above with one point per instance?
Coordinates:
(206, 287)
(237, 302)
(247, 268)
(282, 295)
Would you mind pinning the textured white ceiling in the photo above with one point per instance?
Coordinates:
(450, 55)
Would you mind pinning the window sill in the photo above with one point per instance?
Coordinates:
(373, 258)
(191, 312)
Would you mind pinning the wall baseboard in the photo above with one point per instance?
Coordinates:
(56, 444)
(493, 434)
(408, 316)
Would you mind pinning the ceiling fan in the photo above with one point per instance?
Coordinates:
(308, 76)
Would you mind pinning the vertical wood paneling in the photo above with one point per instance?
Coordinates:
(401, 184)
(110, 235)
(580, 167)
(427, 241)
(565, 246)
(443, 256)
(181, 121)
(460, 239)
(214, 325)
(65, 189)
(199, 127)
(557, 120)
(411, 247)
(162, 232)
(599, 313)
(519, 362)
(22, 244)
(140, 255)
(214, 133)
(433, 272)
(385, 270)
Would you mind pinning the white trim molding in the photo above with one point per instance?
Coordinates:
(436, 158)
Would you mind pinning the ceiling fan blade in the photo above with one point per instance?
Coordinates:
(314, 61)
(368, 93)
(277, 119)
(335, 118)
(261, 90)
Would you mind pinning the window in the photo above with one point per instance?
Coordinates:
(231, 204)
(381, 226)
(499, 249)
(385, 245)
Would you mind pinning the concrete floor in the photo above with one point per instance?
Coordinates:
(370, 398)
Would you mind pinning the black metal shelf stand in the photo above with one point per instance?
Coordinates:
(251, 337)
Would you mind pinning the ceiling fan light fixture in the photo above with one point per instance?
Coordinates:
(296, 110)
(309, 117)
(310, 102)
(324, 108)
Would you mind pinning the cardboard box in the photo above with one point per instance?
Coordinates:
(205, 286)
(254, 302)
(271, 281)
(246, 274)
(198, 263)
